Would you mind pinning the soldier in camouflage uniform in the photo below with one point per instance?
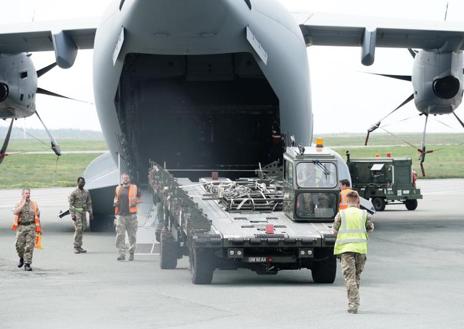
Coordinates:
(125, 208)
(351, 226)
(79, 204)
(27, 224)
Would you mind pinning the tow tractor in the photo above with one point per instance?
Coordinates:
(281, 219)
(384, 180)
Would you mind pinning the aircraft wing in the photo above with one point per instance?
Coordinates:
(65, 38)
(369, 32)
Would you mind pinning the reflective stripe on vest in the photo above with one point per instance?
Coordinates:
(343, 201)
(132, 199)
(352, 235)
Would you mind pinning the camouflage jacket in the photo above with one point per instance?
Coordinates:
(80, 202)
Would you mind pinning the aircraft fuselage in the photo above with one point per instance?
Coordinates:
(200, 84)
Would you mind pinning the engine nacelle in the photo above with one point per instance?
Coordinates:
(438, 81)
(4, 91)
(447, 87)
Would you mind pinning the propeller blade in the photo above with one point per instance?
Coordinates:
(422, 168)
(44, 70)
(459, 119)
(51, 93)
(401, 139)
(406, 101)
(54, 145)
(6, 142)
(412, 52)
(394, 76)
(423, 151)
(377, 125)
(371, 129)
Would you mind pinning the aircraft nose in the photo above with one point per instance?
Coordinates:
(446, 87)
(4, 91)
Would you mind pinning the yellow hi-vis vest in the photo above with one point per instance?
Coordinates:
(352, 234)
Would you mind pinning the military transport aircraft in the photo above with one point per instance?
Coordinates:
(209, 83)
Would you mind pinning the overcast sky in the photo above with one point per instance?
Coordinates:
(344, 97)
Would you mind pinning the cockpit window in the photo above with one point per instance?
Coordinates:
(316, 174)
(316, 205)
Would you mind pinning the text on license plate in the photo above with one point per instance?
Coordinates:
(257, 259)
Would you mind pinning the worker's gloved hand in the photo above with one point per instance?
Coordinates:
(38, 229)
(73, 218)
(14, 227)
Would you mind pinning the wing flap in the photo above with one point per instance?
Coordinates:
(340, 30)
(38, 36)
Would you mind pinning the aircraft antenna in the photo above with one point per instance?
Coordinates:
(446, 11)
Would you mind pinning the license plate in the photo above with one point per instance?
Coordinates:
(257, 259)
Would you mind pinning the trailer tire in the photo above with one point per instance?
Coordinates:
(379, 204)
(411, 204)
(202, 266)
(168, 251)
(325, 271)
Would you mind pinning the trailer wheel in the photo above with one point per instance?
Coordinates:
(202, 266)
(168, 251)
(325, 271)
(411, 204)
(379, 204)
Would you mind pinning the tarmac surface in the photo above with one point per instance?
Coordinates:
(414, 278)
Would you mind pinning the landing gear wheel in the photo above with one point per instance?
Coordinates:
(379, 204)
(202, 265)
(411, 204)
(168, 251)
(325, 271)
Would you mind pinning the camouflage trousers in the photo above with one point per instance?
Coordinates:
(25, 240)
(352, 266)
(79, 228)
(126, 224)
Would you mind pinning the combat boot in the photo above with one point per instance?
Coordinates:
(27, 267)
(131, 257)
(121, 257)
(353, 310)
(82, 250)
(21, 262)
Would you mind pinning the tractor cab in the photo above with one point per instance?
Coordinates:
(311, 176)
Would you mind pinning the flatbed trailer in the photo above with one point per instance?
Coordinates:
(263, 224)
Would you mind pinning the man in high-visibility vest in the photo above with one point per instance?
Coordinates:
(79, 204)
(351, 226)
(345, 188)
(125, 209)
(26, 224)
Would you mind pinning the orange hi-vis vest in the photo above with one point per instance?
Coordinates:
(343, 201)
(132, 199)
(35, 208)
